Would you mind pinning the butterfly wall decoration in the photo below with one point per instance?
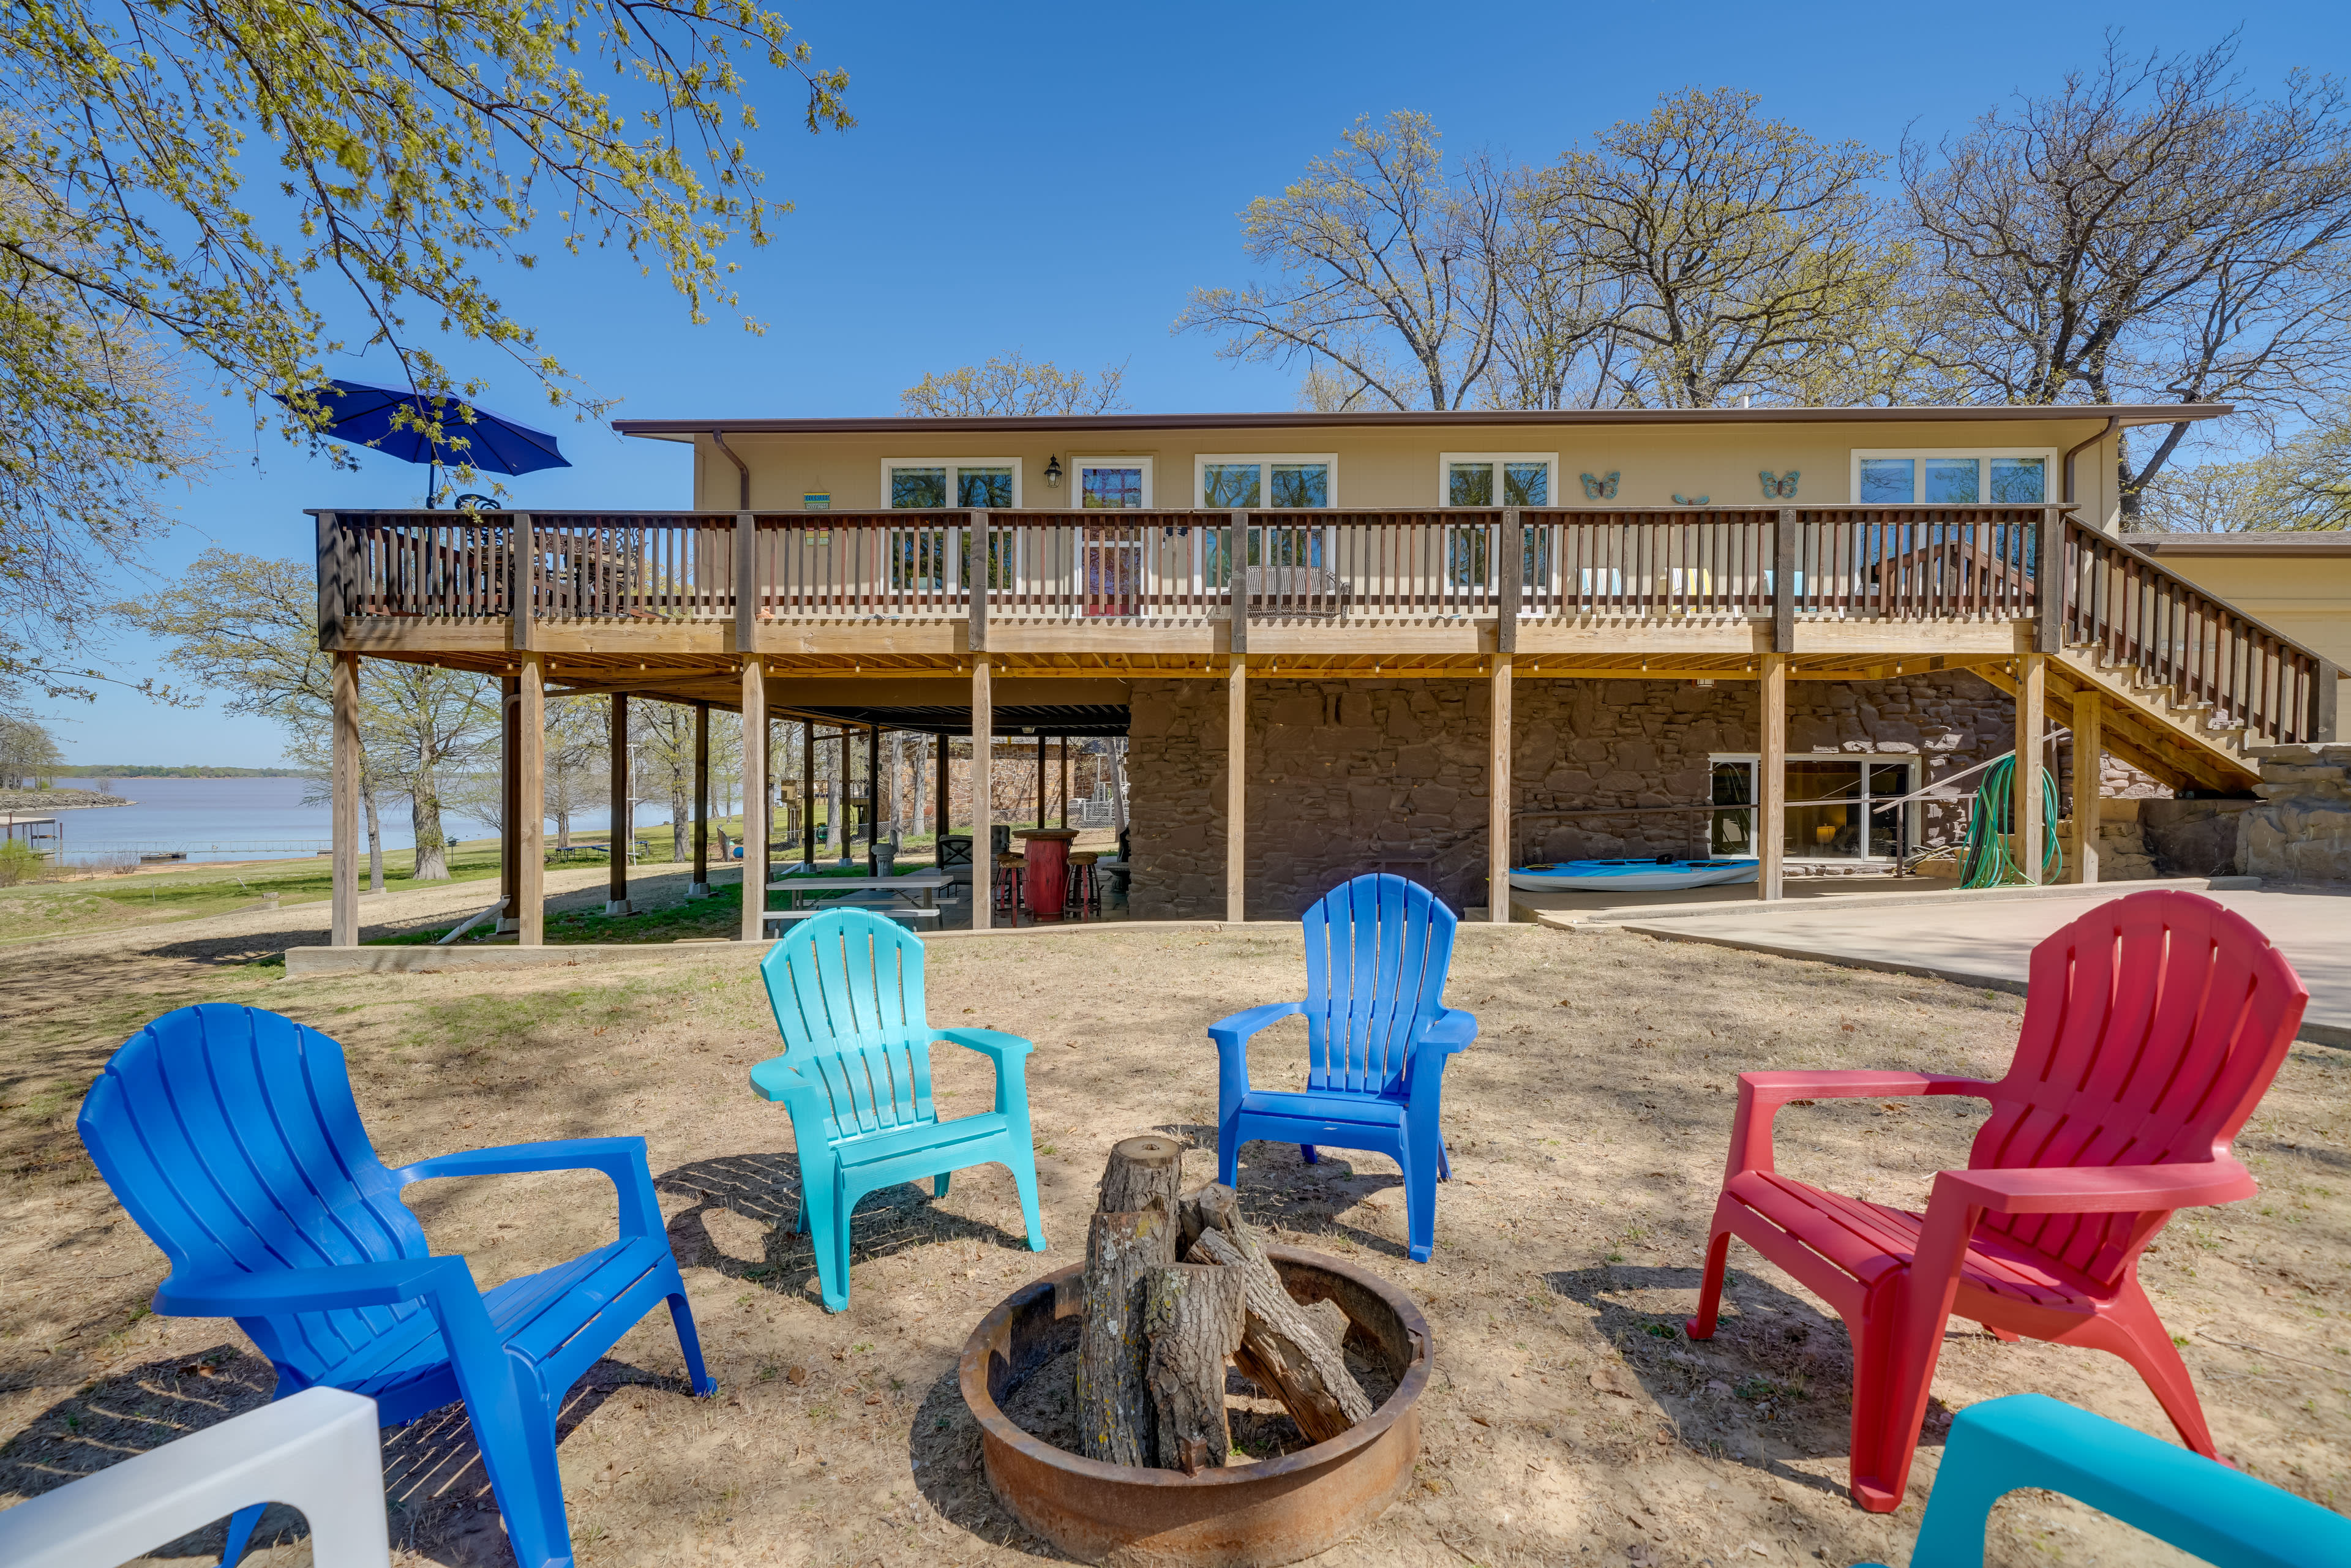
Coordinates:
(1600, 490)
(1682, 501)
(1778, 488)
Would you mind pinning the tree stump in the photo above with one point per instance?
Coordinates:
(1143, 1171)
(1213, 1206)
(1192, 1314)
(1282, 1350)
(1115, 1419)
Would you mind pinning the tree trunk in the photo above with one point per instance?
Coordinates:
(681, 807)
(1281, 1349)
(375, 837)
(1192, 1314)
(1116, 1424)
(425, 815)
(1143, 1173)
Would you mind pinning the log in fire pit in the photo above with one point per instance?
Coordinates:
(1194, 1508)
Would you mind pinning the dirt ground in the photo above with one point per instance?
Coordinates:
(1569, 1420)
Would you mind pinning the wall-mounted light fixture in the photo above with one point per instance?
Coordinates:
(1052, 473)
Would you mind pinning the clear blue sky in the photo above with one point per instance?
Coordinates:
(1056, 178)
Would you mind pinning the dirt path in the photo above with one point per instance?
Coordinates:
(1569, 1420)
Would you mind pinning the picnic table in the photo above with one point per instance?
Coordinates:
(879, 893)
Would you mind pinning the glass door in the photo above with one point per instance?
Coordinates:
(1734, 830)
(1113, 564)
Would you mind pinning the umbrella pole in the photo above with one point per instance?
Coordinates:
(432, 482)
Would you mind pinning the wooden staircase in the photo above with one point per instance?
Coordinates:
(2190, 686)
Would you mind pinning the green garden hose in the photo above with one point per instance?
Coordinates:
(1985, 861)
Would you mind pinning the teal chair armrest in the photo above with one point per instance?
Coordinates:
(2208, 1510)
(1010, 1054)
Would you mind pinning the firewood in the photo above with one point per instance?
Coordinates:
(1213, 1206)
(1143, 1171)
(1192, 1314)
(1283, 1351)
(1116, 1424)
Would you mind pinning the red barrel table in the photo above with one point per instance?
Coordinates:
(1048, 869)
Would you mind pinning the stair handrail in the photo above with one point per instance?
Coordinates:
(2197, 642)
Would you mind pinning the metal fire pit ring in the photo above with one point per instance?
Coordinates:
(1243, 1516)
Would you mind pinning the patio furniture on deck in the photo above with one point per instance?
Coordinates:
(230, 1136)
(1378, 1036)
(2152, 1026)
(2204, 1508)
(317, 1451)
(855, 1075)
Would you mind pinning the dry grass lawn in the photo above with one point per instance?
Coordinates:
(1569, 1420)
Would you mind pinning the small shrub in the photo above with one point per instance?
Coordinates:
(19, 864)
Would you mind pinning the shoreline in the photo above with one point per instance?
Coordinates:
(23, 802)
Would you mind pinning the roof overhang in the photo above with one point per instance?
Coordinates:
(2281, 544)
(2125, 414)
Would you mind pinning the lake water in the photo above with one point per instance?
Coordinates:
(244, 819)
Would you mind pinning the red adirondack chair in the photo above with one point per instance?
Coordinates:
(2152, 1027)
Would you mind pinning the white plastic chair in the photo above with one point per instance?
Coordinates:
(317, 1451)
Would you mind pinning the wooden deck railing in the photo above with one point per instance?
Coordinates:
(1935, 563)
(2139, 612)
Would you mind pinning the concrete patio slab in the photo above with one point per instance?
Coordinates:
(1989, 942)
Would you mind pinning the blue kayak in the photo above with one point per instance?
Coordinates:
(1630, 876)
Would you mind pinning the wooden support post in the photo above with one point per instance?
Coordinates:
(1510, 577)
(700, 886)
(530, 719)
(1497, 808)
(1065, 780)
(746, 589)
(872, 788)
(808, 792)
(624, 834)
(2089, 747)
(343, 926)
(1771, 778)
(1041, 781)
(2032, 686)
(983, 813)
(1783, 597)
(2049, 584)
(509, 799)
(2325, 696)
(754, 798)
(1236, 782)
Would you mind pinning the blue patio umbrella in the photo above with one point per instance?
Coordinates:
(363, 415)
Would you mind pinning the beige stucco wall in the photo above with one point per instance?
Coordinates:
(1394, 468)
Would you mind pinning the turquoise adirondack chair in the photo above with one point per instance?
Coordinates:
(847, 987)
(2200, 1506)
(1378, 1035)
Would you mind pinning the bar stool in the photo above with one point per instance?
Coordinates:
(1085, 892)
(1011, 871)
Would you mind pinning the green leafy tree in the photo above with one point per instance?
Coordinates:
(259, 185)
(28, 757)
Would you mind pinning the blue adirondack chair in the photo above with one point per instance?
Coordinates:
(1378, 1035)
(230, 1136)
(847, 987)
(2176, 1495)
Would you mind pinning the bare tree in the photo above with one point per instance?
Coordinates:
(1733, 254)
(1378, 249)
(2148, 232)
(1014, 384)
(2303, 482)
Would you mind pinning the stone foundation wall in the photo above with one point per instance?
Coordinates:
(2300, 832)
(1360, 775)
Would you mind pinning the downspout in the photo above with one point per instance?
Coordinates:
(2113, 422)
(744, 501)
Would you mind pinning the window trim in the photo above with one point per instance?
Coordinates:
(1982, 455)
(1081, 461)
(1445, 460)
(951, 465)
(1264, 462)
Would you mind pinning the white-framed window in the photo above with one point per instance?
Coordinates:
(1110, 484)
(1250, 480)
(1953, 477)
(1498, 479)
(1837, 806)
(925, 482)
